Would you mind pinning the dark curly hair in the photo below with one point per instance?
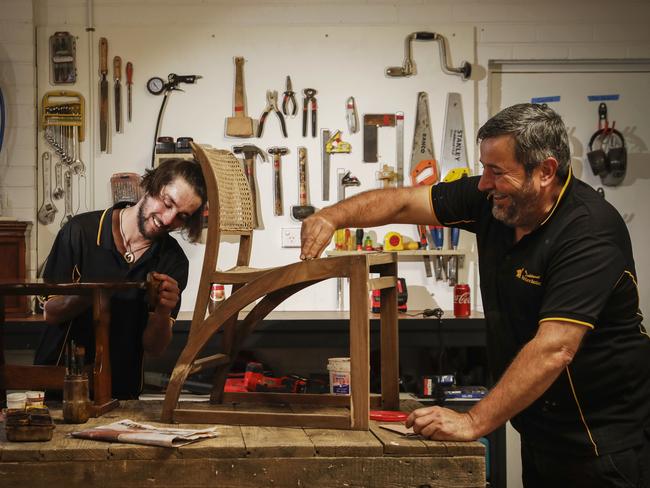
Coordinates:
(167, 171)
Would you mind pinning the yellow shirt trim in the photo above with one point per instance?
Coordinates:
(99, 230)
(582, 417)
(564, 319)
(557, 202)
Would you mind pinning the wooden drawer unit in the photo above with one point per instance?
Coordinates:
(13, 264)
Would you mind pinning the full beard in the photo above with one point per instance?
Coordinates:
(522, 209)
(142, 219)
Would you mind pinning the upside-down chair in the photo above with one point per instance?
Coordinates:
(231, 213)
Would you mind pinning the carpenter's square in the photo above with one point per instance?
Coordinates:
(453, 165)
(103, 94)
(117, 77)
(371, 122)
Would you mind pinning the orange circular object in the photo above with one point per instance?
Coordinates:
(388, 415)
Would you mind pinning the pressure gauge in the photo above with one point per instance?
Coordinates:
(155, 85)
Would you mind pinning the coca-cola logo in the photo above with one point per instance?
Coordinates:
(462, 298)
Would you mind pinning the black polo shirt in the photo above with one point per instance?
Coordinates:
(84, 250)
(577, 267)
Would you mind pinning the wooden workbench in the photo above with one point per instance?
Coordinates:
(243, 456)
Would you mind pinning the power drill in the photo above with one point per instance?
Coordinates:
(254, 380)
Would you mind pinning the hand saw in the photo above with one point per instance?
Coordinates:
(453, 165)
(423, 169)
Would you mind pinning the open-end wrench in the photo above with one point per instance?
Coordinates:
(48, 209)
(77, 166)
(58, 181)
(68, 198)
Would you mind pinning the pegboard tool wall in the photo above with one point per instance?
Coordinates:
(338, 61)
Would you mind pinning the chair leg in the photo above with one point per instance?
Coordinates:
(359, 346)
(389, 349)
(221, 372)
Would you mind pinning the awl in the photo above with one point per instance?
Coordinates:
(103, 94)
(117, 78)
(129, 83)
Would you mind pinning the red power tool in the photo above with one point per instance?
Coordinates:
(254, 380)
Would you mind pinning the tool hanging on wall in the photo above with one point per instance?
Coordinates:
(67, 178)
(271, 105)
(607, 154)
(103, 94)
(250, 152)
(351, 115)
(371, 123)
(117, 98)
(453, 166)
(47, 210)
(289, 105)
(129, 85)
(239, 125)
(125, 188)
(308, 101)
(332, 143)
(408, 68)
(387, 176)
(63, 67)
(277, 153)
(424, 169)
(345, 179)
(303, 210)
(63, 120)
(156, 86)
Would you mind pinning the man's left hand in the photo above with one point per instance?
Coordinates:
(442, 424)
(168, 293)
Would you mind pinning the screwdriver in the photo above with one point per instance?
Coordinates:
(359, 235)
(437, 233)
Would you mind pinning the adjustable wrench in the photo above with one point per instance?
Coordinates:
(48, 209)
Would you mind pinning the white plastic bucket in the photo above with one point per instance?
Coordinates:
(16, 401)
(339, 369)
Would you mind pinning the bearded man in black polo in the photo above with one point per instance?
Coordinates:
(564, 330)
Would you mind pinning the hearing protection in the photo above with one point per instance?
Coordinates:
(607, 154)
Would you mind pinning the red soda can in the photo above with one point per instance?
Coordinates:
(462, 304)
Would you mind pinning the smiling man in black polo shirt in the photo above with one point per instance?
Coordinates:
(126, 243)
(558, 282)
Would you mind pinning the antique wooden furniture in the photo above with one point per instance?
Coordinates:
(230, 212)
(13, 263)
(241, 457)
(13, 376)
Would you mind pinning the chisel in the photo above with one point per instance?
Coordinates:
(103, 94)
(117, 78)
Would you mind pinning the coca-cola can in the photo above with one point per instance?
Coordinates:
(462, 303)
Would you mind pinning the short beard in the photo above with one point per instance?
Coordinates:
(522, 208)
(142, 219)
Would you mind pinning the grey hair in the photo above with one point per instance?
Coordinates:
(538, 133)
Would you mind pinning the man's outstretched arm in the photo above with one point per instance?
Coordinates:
(373, 208)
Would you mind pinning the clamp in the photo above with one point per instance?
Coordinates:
(289, 106)
(310, 96)
(271, 104)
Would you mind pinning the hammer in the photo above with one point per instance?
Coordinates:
(303, 210)
(277, 153)
(250, 151)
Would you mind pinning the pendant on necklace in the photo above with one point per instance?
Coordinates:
(129, 257)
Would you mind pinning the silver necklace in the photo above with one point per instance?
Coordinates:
(129, 254)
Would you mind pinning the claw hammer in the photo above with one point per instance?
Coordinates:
(250, 151)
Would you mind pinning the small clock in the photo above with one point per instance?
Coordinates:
(155, 85)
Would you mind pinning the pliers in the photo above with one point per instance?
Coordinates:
(289, 100)
(271, 104)
(310, 96)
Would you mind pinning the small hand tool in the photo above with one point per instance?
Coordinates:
(271, 105)
(239, 125)
(309, 99)
(129, 84)
(408, 68)
(117, 78)
(438, 237)
(345, 179)
(303, 210)
(352, 116)
(326, 163)
(289, 105)
(48, 209)
(277, 153)
(103, 94)
(68, 198)
(250, 152)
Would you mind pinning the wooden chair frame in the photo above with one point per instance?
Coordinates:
(271, 287)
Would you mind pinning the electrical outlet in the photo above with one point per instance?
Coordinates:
(291, 237)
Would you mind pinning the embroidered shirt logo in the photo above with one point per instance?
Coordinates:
(524, 275)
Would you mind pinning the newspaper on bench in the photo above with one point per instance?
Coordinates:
(132, 432)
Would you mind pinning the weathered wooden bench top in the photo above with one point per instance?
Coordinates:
(240, 456)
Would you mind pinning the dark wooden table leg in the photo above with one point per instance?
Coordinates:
(389, 338)
(102, 383)
(359, 346)
(3, 386)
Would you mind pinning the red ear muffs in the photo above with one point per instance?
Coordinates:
(610, 165)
